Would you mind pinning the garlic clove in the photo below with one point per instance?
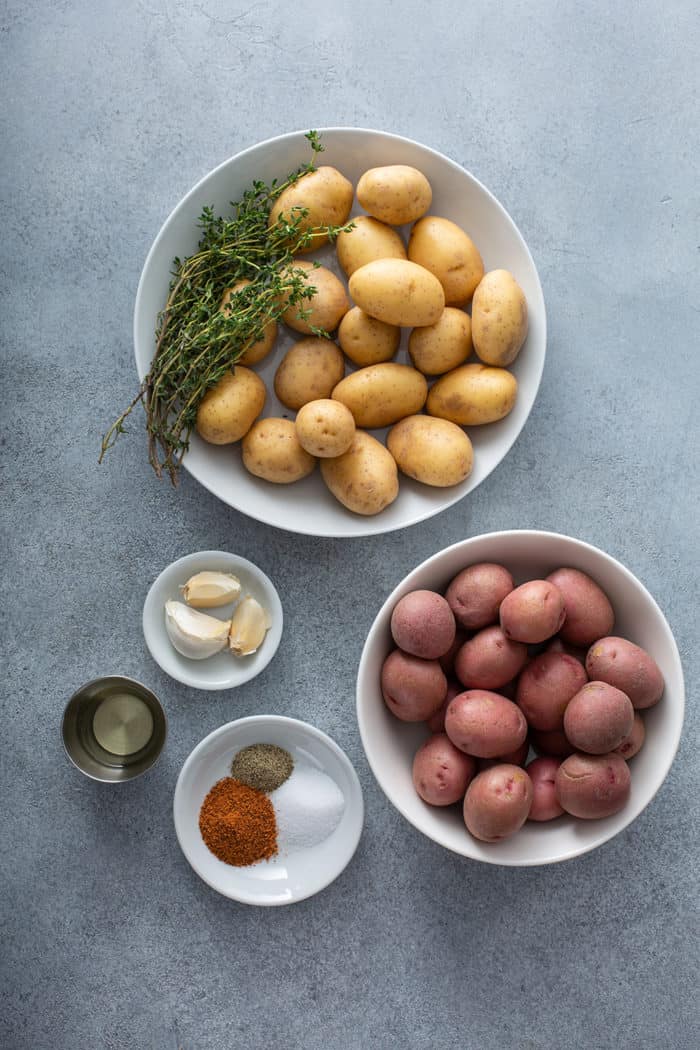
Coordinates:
(194, 634)
(249, 626)
(207, 590)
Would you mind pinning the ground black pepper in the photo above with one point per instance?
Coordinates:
(262, 766)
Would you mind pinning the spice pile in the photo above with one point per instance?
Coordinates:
(269, 805)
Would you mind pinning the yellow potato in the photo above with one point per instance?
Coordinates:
(325, 428)
(442, 346)
(446, 250)
(433, 451)
(368, 240)
(499, 318)
(326, 306)
(380, 395)
(271, 451)
(260, 348)
(472, 395)
(364, 479)
(228, 410)
(308, 371)
(325, 193)
(365, 340)
(398, 292)
(395, 194)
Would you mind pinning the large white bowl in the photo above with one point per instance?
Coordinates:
(391, 744)
(307, 506)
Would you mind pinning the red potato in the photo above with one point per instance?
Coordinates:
(634, 740)
(441, 772)
(485, 724)
(542, 772)
(551, 742)
(589, 614)
(598, 718)
(476, 593)
(518, 757)
(497, 802)
(436, 722)
(558, 646)
(489, 660)
(533, 612)
(593, 786)
(422, 624)
(413, 689)
(546, 686)
(628, 667)
(447, 660)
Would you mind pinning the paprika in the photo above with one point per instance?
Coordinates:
(238, 823)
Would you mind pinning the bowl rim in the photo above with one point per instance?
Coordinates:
(372, 524)
(388, 604)
(309, 730)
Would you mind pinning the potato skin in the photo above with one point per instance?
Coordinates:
(368, 240)
(589, 614)
(365, 340)
(440, 347)
(364, 479)
(436, 722)
(433, 451)
(513, 758)
(448, 252)
(379, 395)
(634, 741)
(447, 662)
(475, 594)
(325, 428)
(229, 408)
(489, 660)
(485, 724)
(441, 772)
(271, 451)
(551, 742)
(398, 292)
(473, 395)
(498, 802)
(533, 612)
(545, 805)
(628, 667)
(327, 305)
(395, 194)
(556, 645)
(545, 688)
(308, 372)
(592, 786)
(422, 624)
(598, 718)
(261, 347)
(499, 318)
(325, 193)
(413, 689)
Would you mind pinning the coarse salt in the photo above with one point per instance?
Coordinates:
(308, 808)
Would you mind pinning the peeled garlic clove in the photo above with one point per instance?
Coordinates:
(249, 626)
(194, 634)
(207, 590)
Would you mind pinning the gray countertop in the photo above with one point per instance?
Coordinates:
(585, 124)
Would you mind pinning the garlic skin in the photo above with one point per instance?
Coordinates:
(249, 626)
(208, 590)
(194, 634)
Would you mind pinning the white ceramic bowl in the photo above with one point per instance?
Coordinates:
(391, 744)
(281, 880)
(307, 506)
(222, 671)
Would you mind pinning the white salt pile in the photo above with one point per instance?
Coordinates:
(308, 808)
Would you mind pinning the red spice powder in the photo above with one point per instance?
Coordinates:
(238, 823)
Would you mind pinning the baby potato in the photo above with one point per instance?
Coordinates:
(308, 372)
(598, 718)
(422, 624)
(592, 786)
(413, 689)
(271, 451)
(259, 348)
(545, 688)
(489, 660)
(364, 479)
(589, 614)
(379, 395)
(368, 240)
(398, 292)
(498, 802)
(440, 347)
(446, 250)
(543, 772)
(325, 428)
(557, 645)
(441, 772)
(634, 740)
(533, 612)
(551, 742)
(327, 196)
(485, 724)
(325, 307)
(499, 318)
(229, 408)
(433, 451)
(395, 194)
(365, 340)
(475, 594)
(473, 395)
(628, 667)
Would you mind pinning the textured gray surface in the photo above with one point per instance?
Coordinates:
(585, 124)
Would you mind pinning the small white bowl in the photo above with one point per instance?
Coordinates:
(284, 879)
(222, 671)
(390, 744)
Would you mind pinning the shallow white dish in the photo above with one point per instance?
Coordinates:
(222, 671)
(307, 506)
(284, 879)
(390, 744)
